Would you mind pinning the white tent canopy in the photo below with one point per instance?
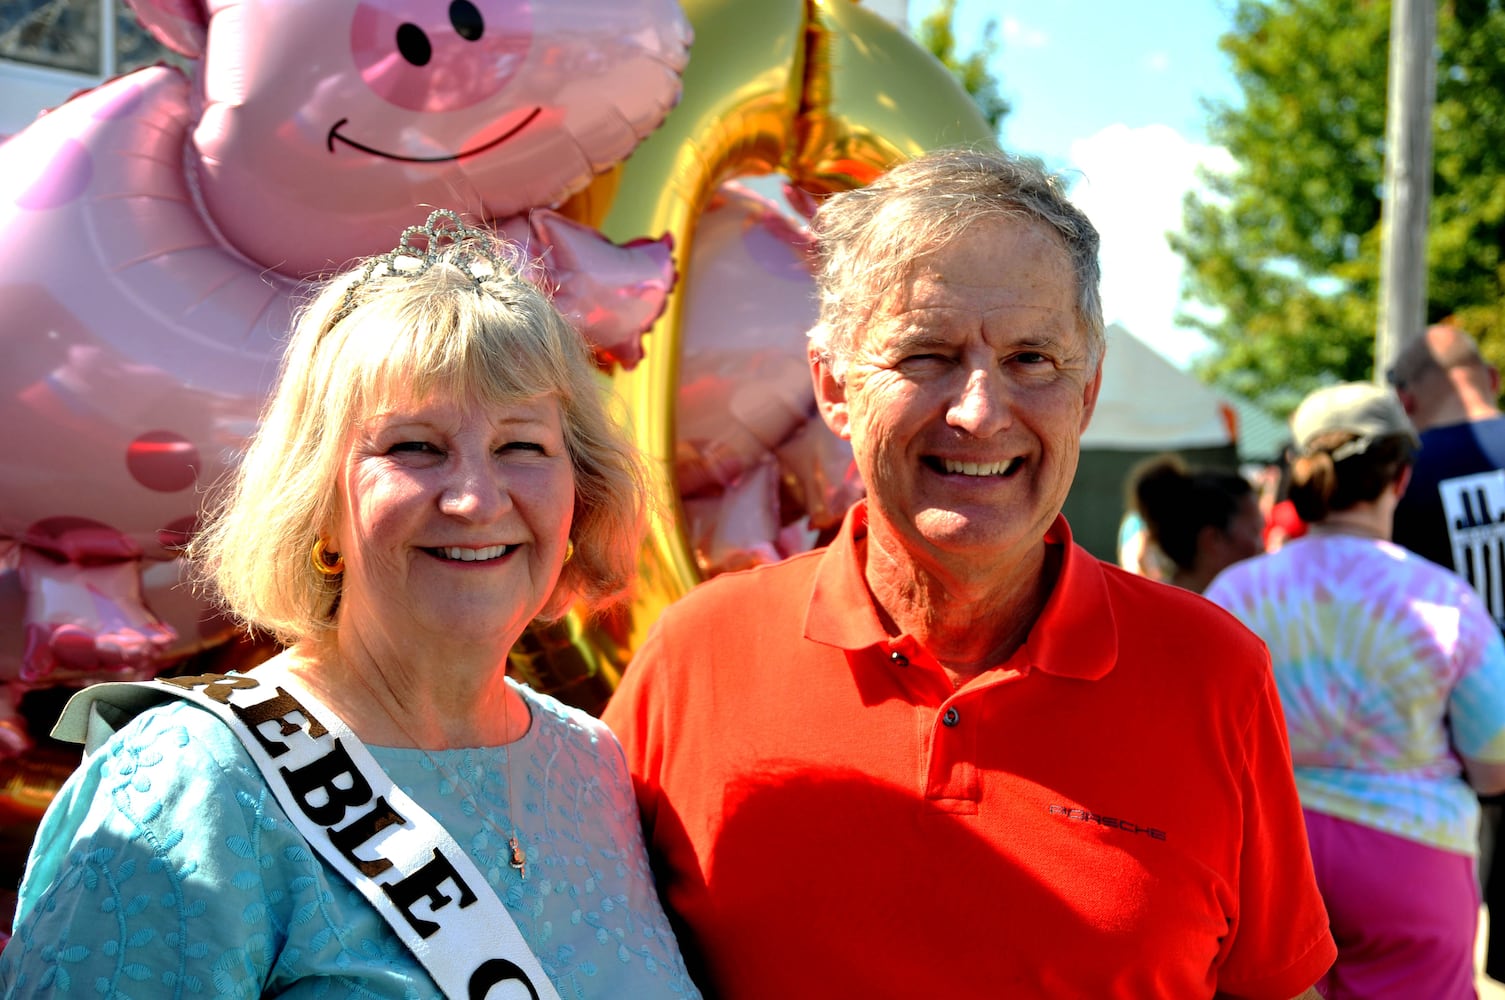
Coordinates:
(1147, 403)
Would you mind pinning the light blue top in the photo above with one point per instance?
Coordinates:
(165, 868)
(1388, 668)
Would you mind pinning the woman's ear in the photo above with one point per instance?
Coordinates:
(1402, 481)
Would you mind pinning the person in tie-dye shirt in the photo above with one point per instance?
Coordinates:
(1392, 679)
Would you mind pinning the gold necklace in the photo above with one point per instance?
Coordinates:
(517, 858)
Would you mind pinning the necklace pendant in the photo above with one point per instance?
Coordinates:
(519, 860)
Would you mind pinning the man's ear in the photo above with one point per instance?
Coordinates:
(1089, 396)
(830, 395)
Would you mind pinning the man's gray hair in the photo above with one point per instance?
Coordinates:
(869, 238)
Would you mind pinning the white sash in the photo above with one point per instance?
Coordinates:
(350, 811)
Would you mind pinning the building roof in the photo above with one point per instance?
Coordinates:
(1262, 436)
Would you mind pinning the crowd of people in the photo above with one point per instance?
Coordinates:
(1392, 680)
(1376, 594)
(951, 753)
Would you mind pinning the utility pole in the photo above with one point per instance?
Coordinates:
(1408, 179)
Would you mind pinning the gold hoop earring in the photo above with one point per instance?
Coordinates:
(320, 558)
(569, 549)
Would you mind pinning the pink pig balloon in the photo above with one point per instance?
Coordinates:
(365, 111)
(157, 229)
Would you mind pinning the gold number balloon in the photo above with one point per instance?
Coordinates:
(824, 92)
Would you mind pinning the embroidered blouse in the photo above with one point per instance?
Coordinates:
(165, 868)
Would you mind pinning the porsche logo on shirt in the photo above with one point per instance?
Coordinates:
(1112, 822)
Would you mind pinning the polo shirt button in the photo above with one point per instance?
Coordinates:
(952, 717)
(899, 659)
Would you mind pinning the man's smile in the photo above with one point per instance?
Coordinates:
(957, 467)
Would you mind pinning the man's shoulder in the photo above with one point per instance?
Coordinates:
(1470, 446)
(1146, 608)
(767, 583)
(1174, 647)
(1486, 425)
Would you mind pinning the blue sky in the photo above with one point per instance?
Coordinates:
(1110, 93)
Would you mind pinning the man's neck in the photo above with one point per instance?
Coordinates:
(968, 623)
(1462, 403)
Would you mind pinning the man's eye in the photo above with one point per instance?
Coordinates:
(1031, 358)
(925, 360)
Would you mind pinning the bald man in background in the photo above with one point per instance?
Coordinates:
(1453, 513)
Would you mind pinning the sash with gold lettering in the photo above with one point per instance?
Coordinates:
(350, 811)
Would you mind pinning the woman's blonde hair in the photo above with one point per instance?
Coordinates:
(460, 319)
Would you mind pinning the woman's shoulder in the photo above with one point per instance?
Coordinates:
(1421, 571)
(186, 733)
(181, 762)
(170, 782)
(558, 720)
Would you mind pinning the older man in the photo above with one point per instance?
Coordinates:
(952, 754)
(1453, 512)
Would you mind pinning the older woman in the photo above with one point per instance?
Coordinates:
(378, 811)
(1392, 678)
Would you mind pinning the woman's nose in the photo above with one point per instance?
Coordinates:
(475, 493)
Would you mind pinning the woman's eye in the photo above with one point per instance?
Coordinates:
(527, 447)
(413, 448)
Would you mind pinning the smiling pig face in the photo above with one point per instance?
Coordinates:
(329, 124)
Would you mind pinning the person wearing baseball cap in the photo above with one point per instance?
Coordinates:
(1392, 679)
(1361, 412)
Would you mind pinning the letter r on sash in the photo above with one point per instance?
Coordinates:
(277, 709)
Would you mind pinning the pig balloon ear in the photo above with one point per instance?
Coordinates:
(181, 25)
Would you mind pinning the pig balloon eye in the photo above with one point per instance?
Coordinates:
(414, 44)
(467, 20)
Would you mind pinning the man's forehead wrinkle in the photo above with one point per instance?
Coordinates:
(911, 336)
(934, 294)
(939, 320)
(921, 314)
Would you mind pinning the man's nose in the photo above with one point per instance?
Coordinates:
(982, 409)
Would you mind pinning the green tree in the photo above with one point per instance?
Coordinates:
(1283, 253)
(937, 34)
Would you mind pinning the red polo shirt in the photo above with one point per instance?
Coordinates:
(1110, 813)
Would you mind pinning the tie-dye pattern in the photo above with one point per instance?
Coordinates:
(1388, 667)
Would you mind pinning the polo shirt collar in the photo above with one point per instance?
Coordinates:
(1076, 635)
